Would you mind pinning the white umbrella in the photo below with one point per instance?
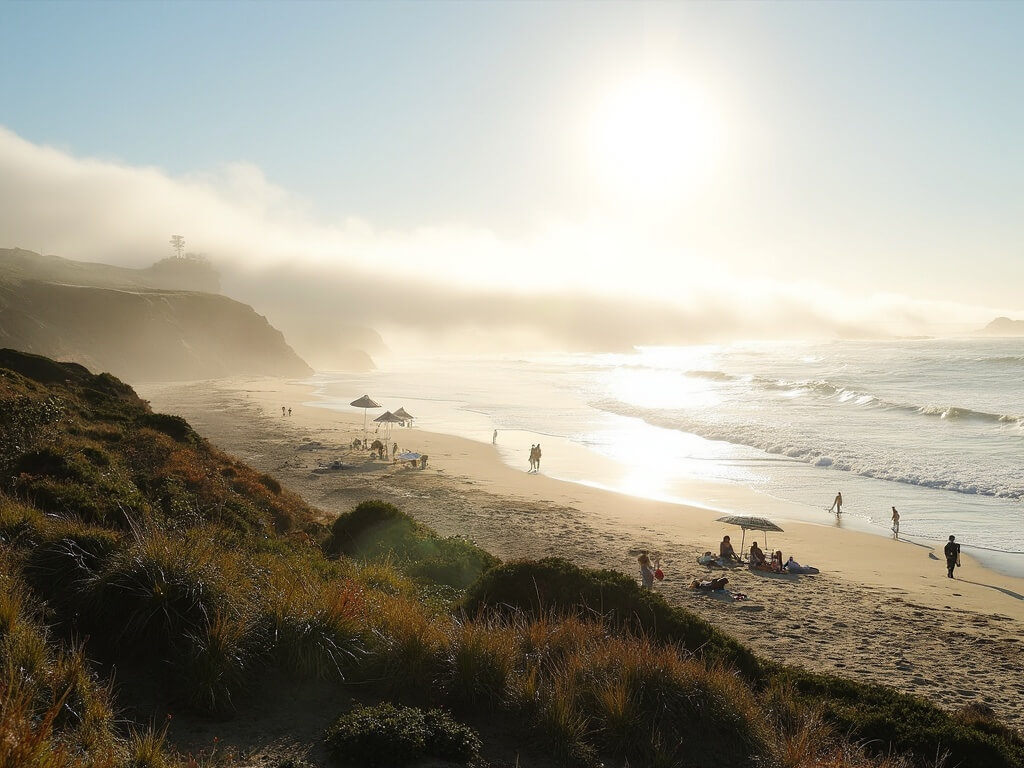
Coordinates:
(365, 402)
(750, 522)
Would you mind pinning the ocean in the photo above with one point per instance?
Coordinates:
(934, 427)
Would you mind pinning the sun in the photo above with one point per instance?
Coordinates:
(651, 137)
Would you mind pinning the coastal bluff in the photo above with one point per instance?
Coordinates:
(1003, 326)
(120, 320)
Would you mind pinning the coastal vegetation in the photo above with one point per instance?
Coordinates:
(137, 558)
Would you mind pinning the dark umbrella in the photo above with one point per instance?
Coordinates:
(365, 402)
(749, 522)
(403, 414)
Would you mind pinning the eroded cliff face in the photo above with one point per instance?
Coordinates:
(143, 334)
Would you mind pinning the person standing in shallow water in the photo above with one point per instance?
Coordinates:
(895, 522)
(952, 551)
(837, 504)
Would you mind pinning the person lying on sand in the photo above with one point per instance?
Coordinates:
(792, 566)
(709, 584)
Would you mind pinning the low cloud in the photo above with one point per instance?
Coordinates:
(586, 285)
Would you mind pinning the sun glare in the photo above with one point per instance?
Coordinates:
(651, 137)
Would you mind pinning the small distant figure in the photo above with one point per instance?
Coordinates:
(494, 437)
(646, 571)
(726, 554)
(837, 504)
(289, 411)
(895, 522)
(537, 462)
(533, 458)
(777, 564)
(423, 461)
(282, 410)
(394, 450)
(952, 551)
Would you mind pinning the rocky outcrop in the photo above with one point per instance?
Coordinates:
(1004, 326)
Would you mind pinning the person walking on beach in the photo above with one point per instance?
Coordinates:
(494, 437)
(533, 458)
(952, 551)
(282, 410)
(837, 504)
(646, 571)
(537, 461)
(895, 522)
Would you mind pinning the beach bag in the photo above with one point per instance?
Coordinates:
(658, 574)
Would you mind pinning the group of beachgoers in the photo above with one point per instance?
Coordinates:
(757, 559)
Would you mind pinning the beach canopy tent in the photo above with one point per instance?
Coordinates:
(403, 414)
(749, 522)
(365, 402)
(387, 419)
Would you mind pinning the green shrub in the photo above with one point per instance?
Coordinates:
(386, 735)
(454, 562)
(174, 427)
(553, 584)
(891, 721)
(374, 528)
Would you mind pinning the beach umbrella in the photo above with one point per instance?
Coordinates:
(387, 419)
(749, 522)
(403, 414)
(365, 402)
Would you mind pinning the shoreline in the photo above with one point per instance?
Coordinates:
(881, 610)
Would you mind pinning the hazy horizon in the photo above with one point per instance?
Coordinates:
(561, 173)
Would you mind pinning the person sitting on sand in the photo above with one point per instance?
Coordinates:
(646, 571)
(777, 565)
(757, 558)
(726, 553)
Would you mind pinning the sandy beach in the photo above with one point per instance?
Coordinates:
(880, 610)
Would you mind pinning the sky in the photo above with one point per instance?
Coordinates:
(838, 163)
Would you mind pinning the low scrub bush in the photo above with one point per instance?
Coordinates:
(373, 529)
(553, 584)
(389, 735)
(376, 530)
(893, 722)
